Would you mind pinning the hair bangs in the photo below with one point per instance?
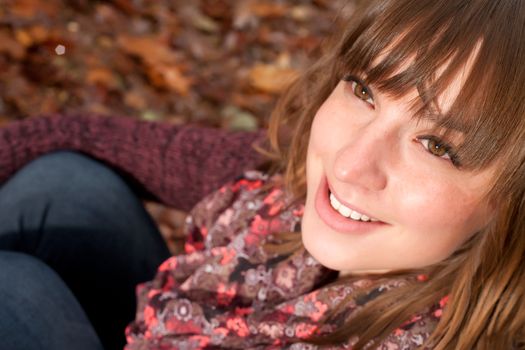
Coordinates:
(430, 47)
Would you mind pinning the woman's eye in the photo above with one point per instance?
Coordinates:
(438, 148)
(362, 92)
(359, 89)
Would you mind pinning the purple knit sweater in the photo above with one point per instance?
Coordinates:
(178, 165)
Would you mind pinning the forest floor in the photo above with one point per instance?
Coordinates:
(215, 62)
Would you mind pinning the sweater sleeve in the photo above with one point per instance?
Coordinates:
(177, 165)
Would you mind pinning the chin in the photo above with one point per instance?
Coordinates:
(324, 248)
(351, 254)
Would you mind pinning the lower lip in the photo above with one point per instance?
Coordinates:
(336, 221)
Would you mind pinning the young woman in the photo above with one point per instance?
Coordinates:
(392, 218)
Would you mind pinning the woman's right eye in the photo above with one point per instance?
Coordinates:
(360, 90)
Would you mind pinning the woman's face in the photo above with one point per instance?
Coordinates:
(409, 204)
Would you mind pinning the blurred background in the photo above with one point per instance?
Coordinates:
(218, 63)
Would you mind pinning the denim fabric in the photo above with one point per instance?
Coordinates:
(85, 222)
(37, 310)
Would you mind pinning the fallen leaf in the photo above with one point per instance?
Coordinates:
(302, 12)
(253, 102)
(107, 14)
(238, 120)
(102, 76)
(98, 108)
(48, 104)
(169, 77)
(205, 23)
(192, 15)
(244, 17)
(221, 9)
(268, 9)
(38, 33)
(135, 100)
(10, 46)
(271, 78)
(29, 9)
(127, 6)
(148, 48)
(23, 37)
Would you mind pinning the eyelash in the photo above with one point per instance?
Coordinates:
(356, 82)
(449, 155)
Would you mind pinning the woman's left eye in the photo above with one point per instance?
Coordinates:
(359, 89)
(362, 92)
(438, 148)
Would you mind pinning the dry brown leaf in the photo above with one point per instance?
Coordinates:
(18, 87)
(170, 219)
(38, 33)
(252, 102)
(268, 9)
(127, 6)
(148, 48)
(28, 9)
(271, 78)
(169, 77)
(302, 12)
(92, 60)
(98, 108)
(217, 8)
(205, 23)
(102, 76)
(23, 37)
(48, 104)
(135, 100)
(107, 14)
(11, 47)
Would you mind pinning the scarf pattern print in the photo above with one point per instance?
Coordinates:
(228, 292)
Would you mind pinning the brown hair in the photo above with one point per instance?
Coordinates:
(485, 278)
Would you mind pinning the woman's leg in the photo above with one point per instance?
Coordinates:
(37, 310)
(85, 222)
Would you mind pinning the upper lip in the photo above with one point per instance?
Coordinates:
(354, 208)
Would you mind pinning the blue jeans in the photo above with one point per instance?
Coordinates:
(75, 240)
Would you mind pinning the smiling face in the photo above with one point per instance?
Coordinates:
(408, 201)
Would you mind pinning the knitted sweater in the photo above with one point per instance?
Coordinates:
(226, 291)
(177, 165)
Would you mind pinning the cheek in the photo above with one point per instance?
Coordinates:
(328, 127)
(322, 123)
(442, 214)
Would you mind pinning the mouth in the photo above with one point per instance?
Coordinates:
(348, 212)
(340, 216)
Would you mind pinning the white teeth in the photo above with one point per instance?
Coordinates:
(335, 203)
(347, 212)
(355, 215)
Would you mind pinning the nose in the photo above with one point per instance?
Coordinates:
(362, 161)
